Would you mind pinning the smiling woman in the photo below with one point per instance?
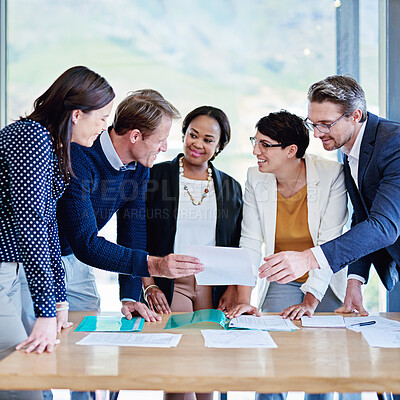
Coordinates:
(88, 126)
(189, 201)
(34, 168)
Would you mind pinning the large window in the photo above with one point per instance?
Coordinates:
(247, 57)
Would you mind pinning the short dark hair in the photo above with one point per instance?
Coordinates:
(78, 88)
(143, 110)
(286, 128)
(216, 114)
(342, 90)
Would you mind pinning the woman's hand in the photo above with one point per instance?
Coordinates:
(307, 307)
(130, 308)
(62, 320)
(43, 336)
(243, 309)
(157, 301)
(229, 299)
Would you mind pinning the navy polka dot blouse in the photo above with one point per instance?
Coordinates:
(30, 185)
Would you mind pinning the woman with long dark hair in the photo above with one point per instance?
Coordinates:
(34, 169)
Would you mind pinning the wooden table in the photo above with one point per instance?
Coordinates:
(311, 360)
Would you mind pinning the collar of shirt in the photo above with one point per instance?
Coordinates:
(354, 154)
(355, 150)
(112, 156)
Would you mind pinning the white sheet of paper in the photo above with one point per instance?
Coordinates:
(223, 265)
(380, 337)
(266, 323)
(380, 322)
(237, 339)
(131, 339)
(323, 321)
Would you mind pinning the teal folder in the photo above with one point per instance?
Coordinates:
(110, 324)
(198, 317)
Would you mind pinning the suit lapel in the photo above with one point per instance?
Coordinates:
(367, 147)
(174, 182)
(313, 198)
(267, 198)
(355, 197)
(220, 228)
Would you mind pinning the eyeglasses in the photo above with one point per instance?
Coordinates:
(263, 145)
(323, 128)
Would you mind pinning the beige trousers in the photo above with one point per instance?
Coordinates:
(14, 300)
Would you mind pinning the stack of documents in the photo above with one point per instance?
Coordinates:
(377, 331)
(237, 339)
(323, 321)
(198, 317)
(131, 339)
(264, 323)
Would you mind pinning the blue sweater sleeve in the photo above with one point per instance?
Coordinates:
(131, 232)
(31, 178)
(77, 219)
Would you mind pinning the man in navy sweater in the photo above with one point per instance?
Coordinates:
(337, 113)
(111, 177)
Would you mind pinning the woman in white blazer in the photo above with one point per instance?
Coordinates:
(284, 170)
(286, 192)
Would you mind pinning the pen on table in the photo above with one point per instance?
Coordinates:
(364, 323)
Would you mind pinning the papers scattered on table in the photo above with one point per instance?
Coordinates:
(223, 265)
(131, 339)
(110, 324)
(265, 323)
(353, 323)
(377, 337)
(323, 321)
(237, 339)
(382, 333)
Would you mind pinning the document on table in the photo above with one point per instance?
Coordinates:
(377, 331)
(131, 339)
(237, 339)
(264, 323)
(223, 265)
(353, 323)
(378, 337)
(323, 321)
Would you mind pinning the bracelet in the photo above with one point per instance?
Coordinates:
(62, 308)
(145, 290)
(62, 303)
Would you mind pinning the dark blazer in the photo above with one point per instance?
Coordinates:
(374, 236)
(162, 207)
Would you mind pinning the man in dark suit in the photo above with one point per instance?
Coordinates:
(337, 114)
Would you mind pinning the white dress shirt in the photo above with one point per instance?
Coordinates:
(195, 224)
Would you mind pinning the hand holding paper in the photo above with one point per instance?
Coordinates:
(223, 265)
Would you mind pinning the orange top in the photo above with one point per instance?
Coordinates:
(292, 231)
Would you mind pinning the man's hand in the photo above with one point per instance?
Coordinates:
(157, 301)
(353, 299)
(43, 336)
(174, 266)
(287, 266)
(132, 308)
(307, 307)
